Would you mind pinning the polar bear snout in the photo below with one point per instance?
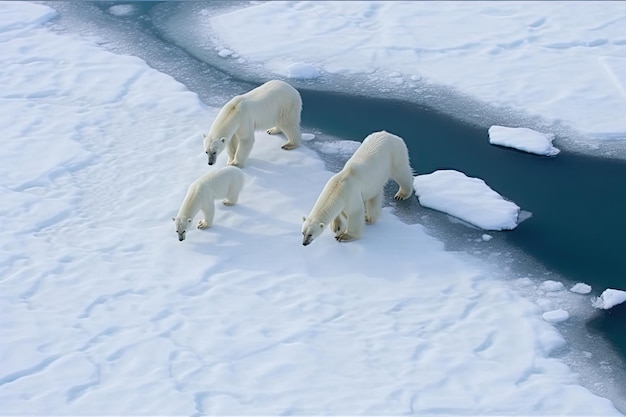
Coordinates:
(307, 239)
(181, 236)
(212, 156)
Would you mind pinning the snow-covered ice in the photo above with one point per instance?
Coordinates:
(122, 9)
(551, 286)
(609, 299)
(581, 288)
(556, 316)
(303, 71)
(469, 199)
(104, 311)
(523, 139)
(563, 61)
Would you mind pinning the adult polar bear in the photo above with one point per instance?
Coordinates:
(225, 183)
(354, 195)
(275, 106)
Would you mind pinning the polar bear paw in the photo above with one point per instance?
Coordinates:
(401, 196)
(228, 203)
(273, 131)
(289, 146)
(345, 238)
(202, 224)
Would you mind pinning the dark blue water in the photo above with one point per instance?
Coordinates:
(578, 227)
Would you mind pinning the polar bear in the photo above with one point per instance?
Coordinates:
(275, 106)
(354, 195)
(225, 183)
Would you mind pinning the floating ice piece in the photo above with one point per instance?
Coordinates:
(308, 136)
(122, 9)
(469, 199)
(609, 298)
(551, 286)
(302, 71)
(486, 237)
(523, 139)
(225, 52)
(556, 316)
(581, 288)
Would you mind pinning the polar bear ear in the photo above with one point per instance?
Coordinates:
(303, 219)
(188, 220)
(322, 225)
(223, 140)
(173, 219)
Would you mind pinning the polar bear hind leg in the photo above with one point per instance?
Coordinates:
(232, 196)
(404, 177)
(373, 208)
(293, 134)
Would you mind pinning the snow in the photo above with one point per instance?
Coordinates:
(523, 139)
(562, 61)
(469, 199)
(581, 288)
(104, 311)
(609, 299)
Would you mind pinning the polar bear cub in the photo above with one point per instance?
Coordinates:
(275, 106)
(223, 183)
(354, 195)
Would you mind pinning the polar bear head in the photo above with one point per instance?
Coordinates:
(182, 224)
(311, 229)
(213, 147)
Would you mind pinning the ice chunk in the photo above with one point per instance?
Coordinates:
(469, 199)
(609, 299)
(556, 316)
(523, 139)
(551, 286)
(302, 71)
(581, 288)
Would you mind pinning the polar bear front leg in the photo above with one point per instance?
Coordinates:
(339, 224)
(209, 213)
(231, 148)
(243, 150)
(355, 225)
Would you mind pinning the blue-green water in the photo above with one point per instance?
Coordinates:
(578, 202)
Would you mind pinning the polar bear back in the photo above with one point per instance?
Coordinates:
(214, 185)
(381, 156)
(266, 106)
(217, 183)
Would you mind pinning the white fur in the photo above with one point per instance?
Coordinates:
(221, 183)
(274, 106)
(353, 196)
